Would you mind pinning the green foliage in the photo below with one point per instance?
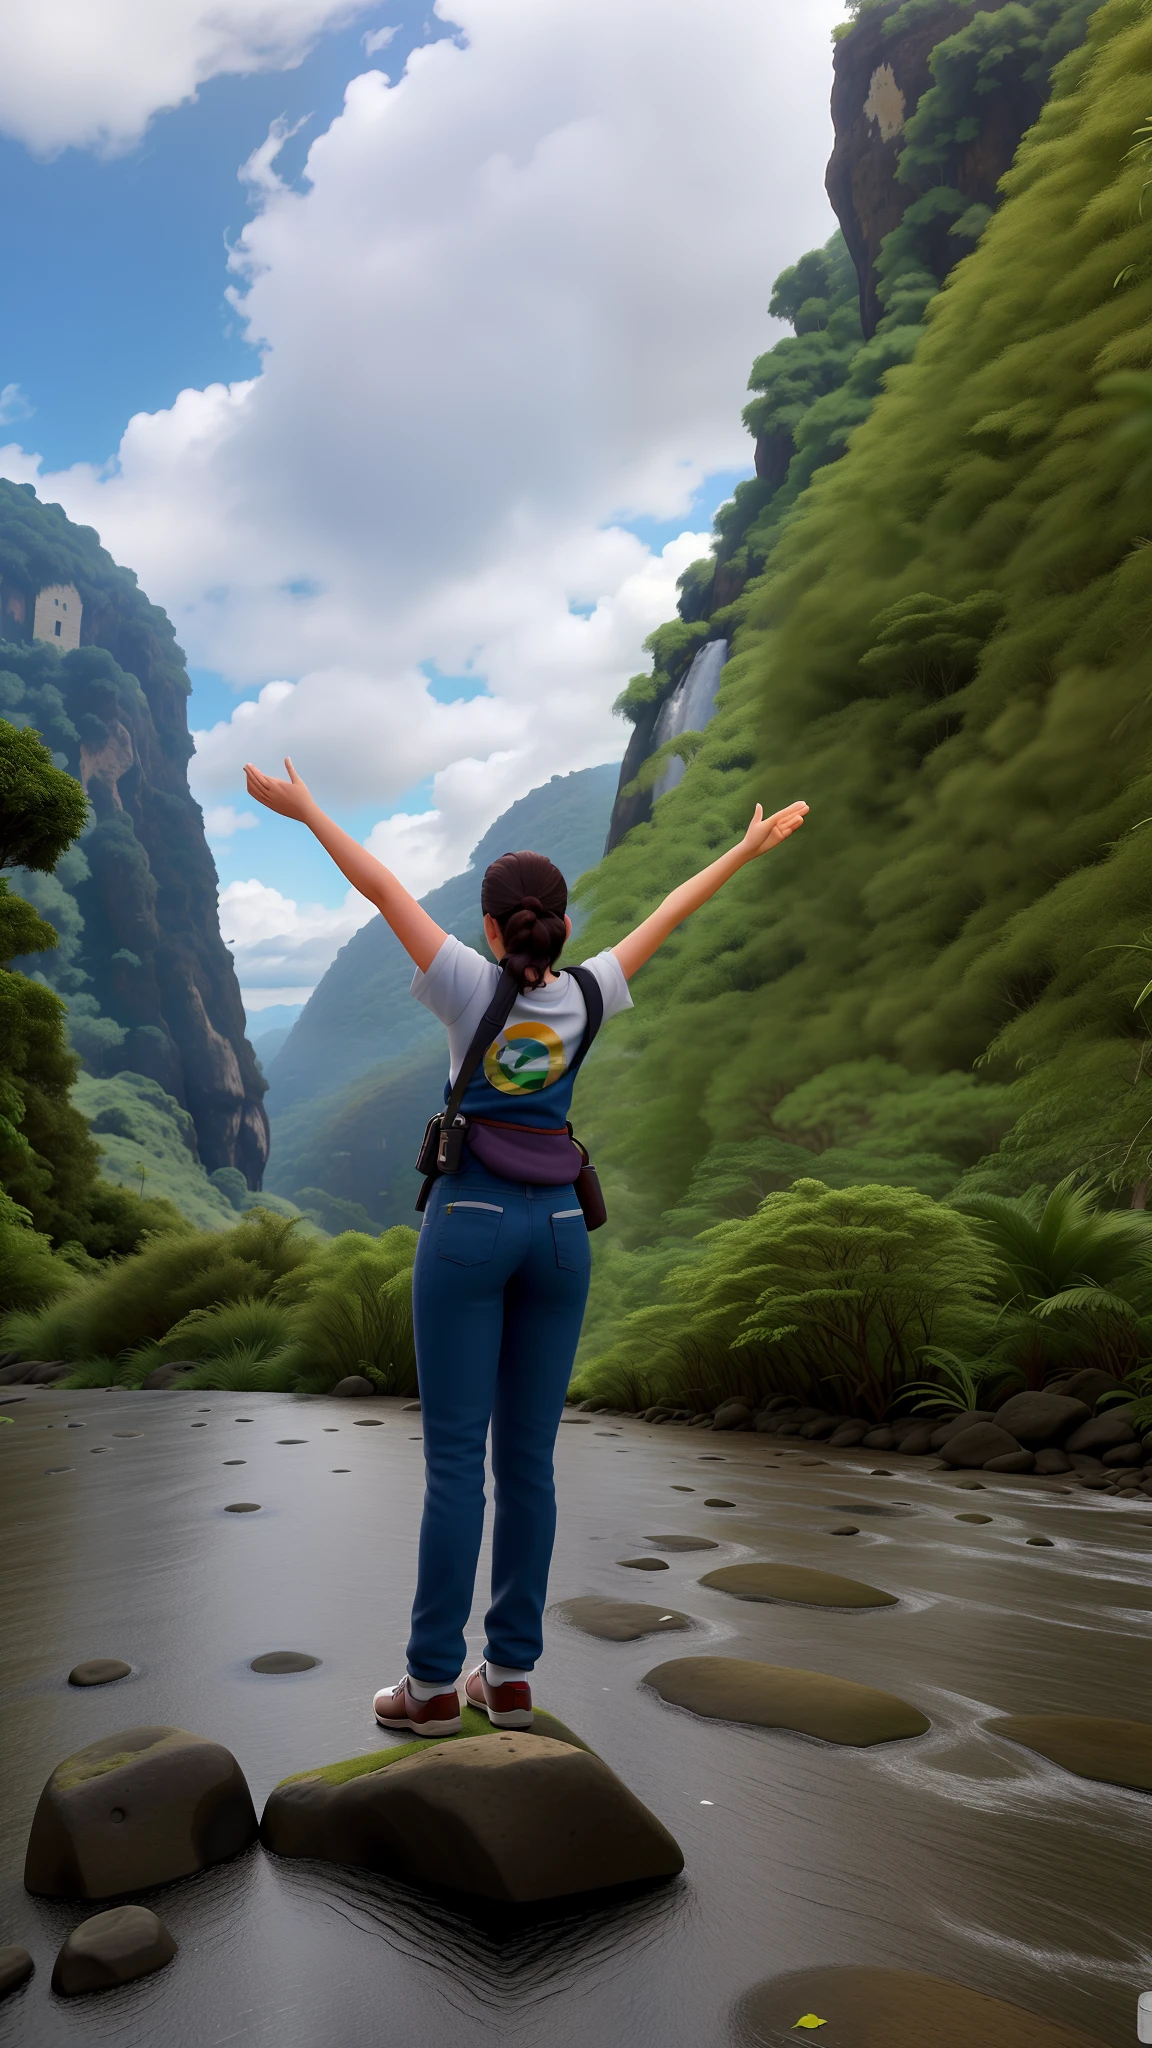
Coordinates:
(1074, 1280)
(833, 1293)
(357, 1317)
(947, 657)
(31, 1274)
(139, 1127)
(41, 809)
(960, 1384)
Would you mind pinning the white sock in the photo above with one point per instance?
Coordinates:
(502, 1674)
(421, 1690)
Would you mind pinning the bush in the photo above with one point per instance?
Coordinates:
(31, 1273)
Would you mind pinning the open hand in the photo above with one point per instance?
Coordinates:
(765, 833)
(291, 799)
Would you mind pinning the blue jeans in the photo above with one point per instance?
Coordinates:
(498, 1293)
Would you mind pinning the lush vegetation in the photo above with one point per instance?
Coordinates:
(946, 655)
(257, 1306)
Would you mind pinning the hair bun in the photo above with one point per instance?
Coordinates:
(533, 904)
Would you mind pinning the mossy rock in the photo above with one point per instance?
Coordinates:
(797, 1584)
(863, 2006)
(1089, 1745)
(523, 1817)
(777, 1696)
(620, 1621)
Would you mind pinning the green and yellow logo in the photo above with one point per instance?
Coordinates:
(524, 1059)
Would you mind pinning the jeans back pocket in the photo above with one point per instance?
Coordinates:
(468, 1231)
(570, 1235)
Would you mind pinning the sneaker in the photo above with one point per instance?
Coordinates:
(395, 1707)
(507, 1706)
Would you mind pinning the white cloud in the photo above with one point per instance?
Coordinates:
(515, 302)
(93, 72)
(222, 821)
(276, 941)
(14, 404)
(377, 39)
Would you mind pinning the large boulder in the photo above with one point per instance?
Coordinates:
(963, 1419)
(1102, 1433)
(775, 1696)
(354, 1388)
(34, 1372)
(519, 1817)
(976, 1445)
(1038, 1420)
(864, 2005)
(1086, 1385)
(137, 1808)
(112, 1948)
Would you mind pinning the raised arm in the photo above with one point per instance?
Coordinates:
(762, 834)
(419, 934)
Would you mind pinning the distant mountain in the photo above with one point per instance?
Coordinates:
(363, 1068)
(362, 1013)
(268, 1030)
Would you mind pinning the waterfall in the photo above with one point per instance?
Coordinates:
(689, 708)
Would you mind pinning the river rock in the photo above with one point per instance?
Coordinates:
(964, 1419)
(879, 1440)
(137, 1808)
(99, 1671)
(683, 1542)
(275, 1663)
(643, 1564)
(619, 1621)
(1086, 1385)
(519, 1817)
(1089, 1745)
(972, 1447)
(1053, 1460)
(732, 1415)
(34, 1372)
(1102, 1433)
(173, 1375)
(820, 1427)
(916, 1443)
(847, 1434)
(354, 1387)
(797, 1584)
(865, 2006)
(1039, 1419)
(1011, 1461)
(110, 1949)
(1124, 1454)
(776, 1696)
(16, 1966)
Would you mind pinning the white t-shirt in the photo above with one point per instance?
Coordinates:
(544, 1029)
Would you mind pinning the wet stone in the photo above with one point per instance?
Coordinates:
(1088, 1745)
(777, 1696)
(1040, 1542)
(865, 2006)
(353, 1388)
(369, 1422)
(973, 1518)
(796, 1584)
(682, 1489)
(643, 1564)
(235, 1461)
(716, 1503)
(112, 1948)
(276, 1662)
(619, 1621)
(127, 1432)
(285, 1439)
(683, 1542)
(99, 1671)
(140, 1807)
(844, 1529)
(513, 1816)
(242, 1507)
(16, 1966)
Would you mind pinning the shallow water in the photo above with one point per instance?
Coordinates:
(957, 1853)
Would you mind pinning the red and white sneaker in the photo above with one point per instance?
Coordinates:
(507, 1706)
(396, 1707)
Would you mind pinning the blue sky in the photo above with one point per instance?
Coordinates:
(412, 524)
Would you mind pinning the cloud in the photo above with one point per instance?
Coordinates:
(277, 942)
(91, 73)
(221, 822)
(511, 308)
(377, 39)
(14, 404)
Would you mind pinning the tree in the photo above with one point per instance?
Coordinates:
(42, 810)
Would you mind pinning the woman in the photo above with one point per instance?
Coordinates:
(502, 1267)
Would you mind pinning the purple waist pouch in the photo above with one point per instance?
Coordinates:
(546, 1159)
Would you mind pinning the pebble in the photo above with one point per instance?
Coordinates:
(369, 1422)
(127, 1432)
(235, 1461)
(285, 1439)
(716, 1502)
(643, 1564)
(16, 1966)
(1040, 1542)
(683, 1542)
(242, 1507)
(845, 1529)
(99, 1671)
(276, 1662)
(682, 1489)
(972, 1518)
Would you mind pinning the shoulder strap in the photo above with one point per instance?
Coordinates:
(593, 996)
(490, 1023)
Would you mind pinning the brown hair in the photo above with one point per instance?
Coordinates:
(528, 897)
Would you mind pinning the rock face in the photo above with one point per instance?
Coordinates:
(878, 80)
(137, 1808)
(145, 953)
(1090, 1745)
(518, 1818)
(794, 1582)
(620, 1621)
(110, 1949)
(775, 1696)
(865, 2007)
(1039, 1420)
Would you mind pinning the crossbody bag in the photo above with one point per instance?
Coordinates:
(507, 1148)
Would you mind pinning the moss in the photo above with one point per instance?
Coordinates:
(473, 1723)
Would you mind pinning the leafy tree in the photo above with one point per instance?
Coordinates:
(41, 810)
